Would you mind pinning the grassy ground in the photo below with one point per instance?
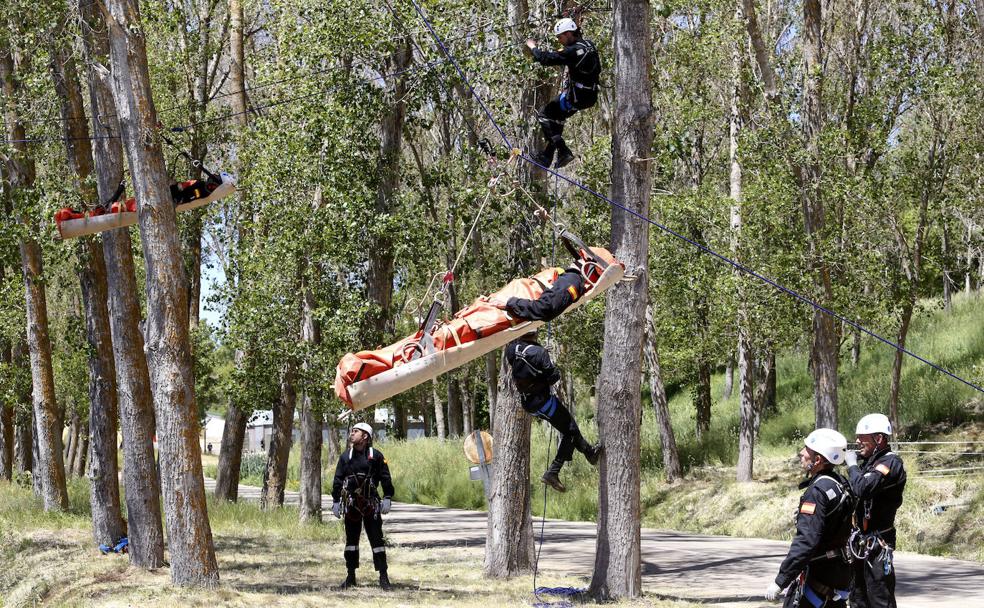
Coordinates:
(265, 559)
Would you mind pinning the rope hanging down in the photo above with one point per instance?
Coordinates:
(705, 249)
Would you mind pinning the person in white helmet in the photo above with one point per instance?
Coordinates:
(816, 571)
(579, 91)
(878, 482)
(360, 471)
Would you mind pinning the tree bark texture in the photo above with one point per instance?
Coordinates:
(231, 453)
(454, 407)
(380, 278)
(136, 409)
(657, 391)
(6, 418)
(826, 341)
(312, 422)
(21, 174)
(107, 520)
(438, 412)
(275, 474)
(167, 344)
(618, 565)
(509, 539)
(746, 368)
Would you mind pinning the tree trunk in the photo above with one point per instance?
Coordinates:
(454, 407)
(136, 412)
(380, 278)
(826, 341)
(23, 419)
(509, 539)
(167, 344)
(275, 475)
(618, 566)
(6, 416)
(438, 412)
(107, 520)
(237, 60)
(729, 378)
(312, 421)
(492, 384)
(81, 457)
(68, 451)
(657, 391)
(746, 369)
(702, 398)
(231, 453)
(334, 445)
(21, 174)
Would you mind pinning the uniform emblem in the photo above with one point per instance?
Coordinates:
(883, 469)
(808, 508)
(572, 291)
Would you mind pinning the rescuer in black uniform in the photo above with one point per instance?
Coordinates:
(817, 559)
(534, 374)
(361, 469)
(567, 289)
(878, 484)
(579, 91)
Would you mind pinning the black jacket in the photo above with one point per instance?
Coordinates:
(582, 61)
(823, 524)
(533, 372)
(568, 287)
(369, 462)
(878, 483)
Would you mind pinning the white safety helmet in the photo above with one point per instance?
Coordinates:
(874, 423)
(564, 25)
(365, 428)
(828, 443)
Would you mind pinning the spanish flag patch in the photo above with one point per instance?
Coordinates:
(808, 508)
(883, 469)
(573, 292)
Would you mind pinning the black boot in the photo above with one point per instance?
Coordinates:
(593, 453)
(349, 580)
(564, 155)
(384, 581)
(544, 158)
(552, 476)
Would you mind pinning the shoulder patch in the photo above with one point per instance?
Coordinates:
(808, 508)
(883, 469)
(572, 291)
(831, 493)
(580, 51)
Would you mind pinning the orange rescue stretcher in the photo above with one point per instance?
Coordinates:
(365, 378)
(71, 223)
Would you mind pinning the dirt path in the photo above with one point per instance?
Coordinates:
(711, 570)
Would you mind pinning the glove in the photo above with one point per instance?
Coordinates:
(384, 507)
(851, 458)
(772, 593)
(336, 509)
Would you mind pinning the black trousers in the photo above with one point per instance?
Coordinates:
(373, 523)
(553, 115)
(559, 417)
(872, 587)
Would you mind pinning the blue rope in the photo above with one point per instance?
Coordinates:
(736, 265)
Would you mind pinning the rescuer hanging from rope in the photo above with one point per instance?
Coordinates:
(534, 374)
(579, 91)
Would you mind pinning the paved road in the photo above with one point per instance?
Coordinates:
(712, 570)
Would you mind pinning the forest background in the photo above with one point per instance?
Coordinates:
(837, 153)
